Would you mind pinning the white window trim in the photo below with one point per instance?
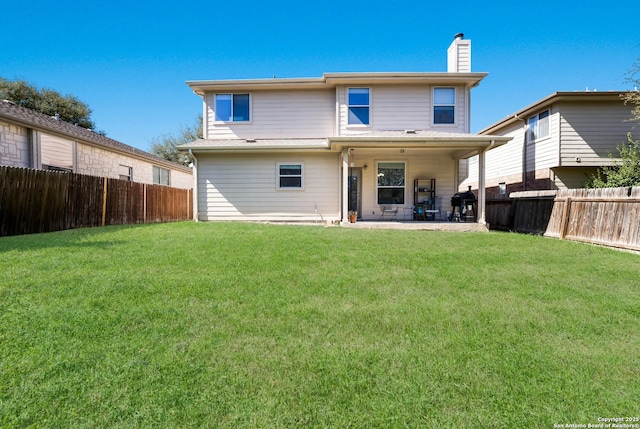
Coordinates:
(537, 118)
(129, 175)
(384, 187)
(360, 105)
(278, 176)
(216, 121)
(454, 105)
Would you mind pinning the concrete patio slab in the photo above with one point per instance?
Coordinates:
(420, 226)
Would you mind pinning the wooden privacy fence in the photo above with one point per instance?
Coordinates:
(33, 201)
(498, 213)
(609, 217)
(527, 212)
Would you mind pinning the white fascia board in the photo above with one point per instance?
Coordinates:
(468, 79)
(451, 142)
(330, 80)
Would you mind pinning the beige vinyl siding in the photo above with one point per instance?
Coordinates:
(278, 114)
(501, 162)
(590, 131)
(400, 107)
(507, 159)
(243, 187)
(461, 113)
(459, 56)
(572, 177)
(392, 108)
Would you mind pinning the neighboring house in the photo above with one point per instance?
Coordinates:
(557, 142)
(34, 140)
(313, 149)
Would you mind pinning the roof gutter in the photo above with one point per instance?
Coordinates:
(331, 80)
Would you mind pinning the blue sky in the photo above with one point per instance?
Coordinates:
(129, 59)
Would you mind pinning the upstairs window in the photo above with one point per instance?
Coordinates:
(290, 176)
(232, 107)
(444, 105)
(358, 100)
(538, 127)
(161, 176)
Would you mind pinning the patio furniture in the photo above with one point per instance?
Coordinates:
(388, 211)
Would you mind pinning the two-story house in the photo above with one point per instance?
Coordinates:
(314, 149)
(557, 142)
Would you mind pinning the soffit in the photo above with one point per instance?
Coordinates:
(331, 80)
(391, 141)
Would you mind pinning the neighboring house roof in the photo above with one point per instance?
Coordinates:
(524, 113)
(331, 80)
(32, 119)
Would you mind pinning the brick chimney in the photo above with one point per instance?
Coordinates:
(459, 55)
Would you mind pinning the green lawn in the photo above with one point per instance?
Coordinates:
(261, 326)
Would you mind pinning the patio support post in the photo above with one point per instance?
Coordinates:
(482, 196)
(345, 185)
(194, 168)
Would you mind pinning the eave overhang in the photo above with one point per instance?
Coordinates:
(331, 80)
(337, 144)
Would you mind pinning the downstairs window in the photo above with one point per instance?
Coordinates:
(391, 182)
(290, 176)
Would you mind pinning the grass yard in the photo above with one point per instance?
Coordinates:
(264, 326)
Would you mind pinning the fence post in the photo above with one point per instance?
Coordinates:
(104, 203)
(565, 219)
(144, 201)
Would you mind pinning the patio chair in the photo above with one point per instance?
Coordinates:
(390, 211)
(439, 215)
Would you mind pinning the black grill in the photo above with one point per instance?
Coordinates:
(462, 201)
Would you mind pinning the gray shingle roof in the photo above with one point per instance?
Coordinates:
(33, 119)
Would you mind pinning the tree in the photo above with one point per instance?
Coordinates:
(625, 173)
(633, 97)
(166, 146)
(47, 101)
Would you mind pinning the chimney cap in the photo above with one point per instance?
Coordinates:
(458, 36)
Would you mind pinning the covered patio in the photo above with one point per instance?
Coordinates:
(417, 155)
